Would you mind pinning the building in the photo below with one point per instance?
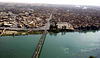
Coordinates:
(6, 24)
(64, 25)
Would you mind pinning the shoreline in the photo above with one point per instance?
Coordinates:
(19, 33)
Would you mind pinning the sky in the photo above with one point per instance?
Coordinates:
(73, 2)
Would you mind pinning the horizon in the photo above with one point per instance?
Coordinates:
(60, 2)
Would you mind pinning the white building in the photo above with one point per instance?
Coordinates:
(60, 25)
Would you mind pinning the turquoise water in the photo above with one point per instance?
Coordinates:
(71, 45)
(18, 46)
(56, 45)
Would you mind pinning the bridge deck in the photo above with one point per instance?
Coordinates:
(40, 44)
(42, 39)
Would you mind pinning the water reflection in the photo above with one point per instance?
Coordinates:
(89, 31)
(53, 34)
(64, 33)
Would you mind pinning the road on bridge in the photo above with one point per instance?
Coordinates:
(42, 39)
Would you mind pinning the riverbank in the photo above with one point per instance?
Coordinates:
(18, 33)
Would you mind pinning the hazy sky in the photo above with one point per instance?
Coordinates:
(75, 2)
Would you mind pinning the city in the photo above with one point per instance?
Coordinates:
(49, 31)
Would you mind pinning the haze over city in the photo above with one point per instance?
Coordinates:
(73, 2)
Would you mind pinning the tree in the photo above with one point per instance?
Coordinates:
(63, 27)
(91, 57)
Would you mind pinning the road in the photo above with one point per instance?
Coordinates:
(42, 39)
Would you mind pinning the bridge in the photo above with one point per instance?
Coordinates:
(42, 39)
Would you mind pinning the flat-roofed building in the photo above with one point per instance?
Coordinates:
(64, 25)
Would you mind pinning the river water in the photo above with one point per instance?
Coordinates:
(18, 46)
(71, 45)
(56, 45)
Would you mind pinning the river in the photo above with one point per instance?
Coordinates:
(71, 45)
(18, 46)
(56, 45)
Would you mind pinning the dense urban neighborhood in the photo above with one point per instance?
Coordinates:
(35, 15)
